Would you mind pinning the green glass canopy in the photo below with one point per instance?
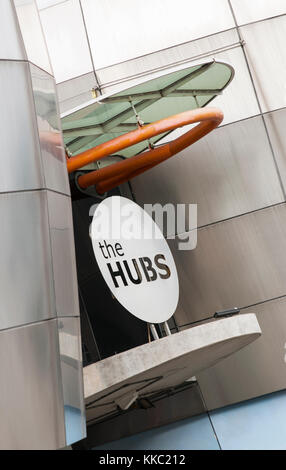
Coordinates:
(109, 116)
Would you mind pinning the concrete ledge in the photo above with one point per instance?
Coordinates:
(166, 362)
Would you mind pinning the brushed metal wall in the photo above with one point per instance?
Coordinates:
(237, 263)
(32, 412)
(237, 176)
(49, 130)
(63, 254)
(229, 173)
(41, 401)
(27, 292)
(232, 381)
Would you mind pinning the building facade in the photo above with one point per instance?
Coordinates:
(236, 176)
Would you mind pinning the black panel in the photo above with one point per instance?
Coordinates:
(114, 329)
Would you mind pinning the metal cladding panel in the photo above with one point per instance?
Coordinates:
(26, 278)
(254, 10)
(46, 3)
(73, 93)
(32, 33)
(134, 37)
(49, 128)
(67, 41)
(72, 381)
(268, 68)
(237, 263)
(36, 230)
(276, 124)
(231, 381)
(20, 164)
(111, 77)
(235, 108)
(228, 173)
(31, 404)
(253, 425)
(11, 45)
(63, 254)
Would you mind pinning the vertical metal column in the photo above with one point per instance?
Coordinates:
(41, 404)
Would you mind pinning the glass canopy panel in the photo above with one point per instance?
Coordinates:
(159, 83)
(109, 116)
(167, 107)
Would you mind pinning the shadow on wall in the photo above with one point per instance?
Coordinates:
(257, 424)
(194, 433)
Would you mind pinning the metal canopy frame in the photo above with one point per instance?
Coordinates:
(112, 176)
(80, 131)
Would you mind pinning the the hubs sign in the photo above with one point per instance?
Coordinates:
(135, 259)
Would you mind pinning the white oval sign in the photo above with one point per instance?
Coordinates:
(135, 259)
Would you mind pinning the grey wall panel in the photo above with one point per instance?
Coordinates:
(111, 76)
(31, 404)
(268, 68)
(276, 124)
(75, 92)
(231, 381)
(63, 254)
(20, 166)
(72, 380)
(47, 3)
(67, 41)
(238, 263)
(11, 45)
(235, 109)
(49, 127)
(118, 22)
(229, 172)
(26, 277)
(32, 33)
(247, 11)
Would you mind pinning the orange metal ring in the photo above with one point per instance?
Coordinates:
(113, 175)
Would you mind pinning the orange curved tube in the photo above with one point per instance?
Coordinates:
(113, 175)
